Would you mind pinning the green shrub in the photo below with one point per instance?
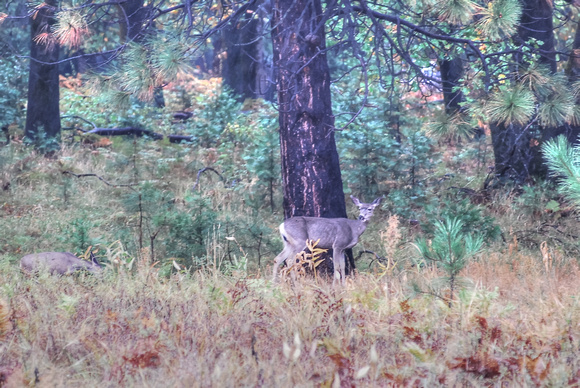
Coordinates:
(449, 249)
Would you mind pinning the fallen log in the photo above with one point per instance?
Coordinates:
(125, 131)
(135, 131)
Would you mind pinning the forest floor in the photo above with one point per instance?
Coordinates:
(146, 321)
(511, 325)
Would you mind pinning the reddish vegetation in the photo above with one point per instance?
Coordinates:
(216, 330)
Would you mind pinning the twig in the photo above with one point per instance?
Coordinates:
(80, 118)
(377, 257)
(201, 171)
(446, 300)
(129, 185)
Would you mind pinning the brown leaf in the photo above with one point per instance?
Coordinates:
(148, 359)
(486, 367)
(482, 323)
(537, 368)
(412, 334)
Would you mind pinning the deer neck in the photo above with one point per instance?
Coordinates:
(362, 224)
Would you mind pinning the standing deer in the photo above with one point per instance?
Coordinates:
(58, 263)
(337, 234)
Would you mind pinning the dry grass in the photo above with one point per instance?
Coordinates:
(515, 323)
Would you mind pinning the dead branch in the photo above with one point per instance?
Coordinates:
(201, 171)
(138, 132)
(129, 185)
(125, 131)
(377, 257)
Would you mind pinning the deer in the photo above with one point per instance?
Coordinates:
(337, 234)
(61, 263)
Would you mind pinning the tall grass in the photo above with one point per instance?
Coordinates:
(514, 321)
(515, 324)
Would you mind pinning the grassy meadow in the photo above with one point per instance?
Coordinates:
(156, 317)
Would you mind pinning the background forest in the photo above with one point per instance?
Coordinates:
(172, 138)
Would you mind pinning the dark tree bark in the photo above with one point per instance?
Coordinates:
(515, 152)
(571, 132)
(43, 114)
(133, 14)
(310, 167)
(516, 148)
(244, 68)
(536, 22)
(451, 71)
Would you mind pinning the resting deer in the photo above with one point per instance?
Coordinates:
(337, 234)
(58, 263)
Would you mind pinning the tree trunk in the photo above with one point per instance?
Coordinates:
(516, 152)
(43, 114)
(244, 68)
(572, 132)
(310, 167)
(536, 22)
(451, 71)
(516, 148)
(132, 14)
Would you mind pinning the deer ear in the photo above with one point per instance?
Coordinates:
(377, 201)
(94, 259)
(355, 200)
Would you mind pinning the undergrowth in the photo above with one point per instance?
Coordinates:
(188, 233)
(515, 324)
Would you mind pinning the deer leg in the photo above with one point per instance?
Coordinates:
(339, 265)
(289, 252)
(279, 260)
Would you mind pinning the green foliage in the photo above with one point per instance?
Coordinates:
(500, 19)
(450, 126)
(450, 248)
(136, 77)
(42, 142)
(511, 105)
(557, 108)
(456, 11)
(189, 230)
(148, 199)
(415, 166)
(78, 234)
(472, 217)
(539, 79)
(145, 67)
(563, 161)
(213, 115)
(262, 159)
(169, 56)
(384, 150)
(13, 79)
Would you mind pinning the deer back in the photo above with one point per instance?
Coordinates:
(57, 263)
(332, 232)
